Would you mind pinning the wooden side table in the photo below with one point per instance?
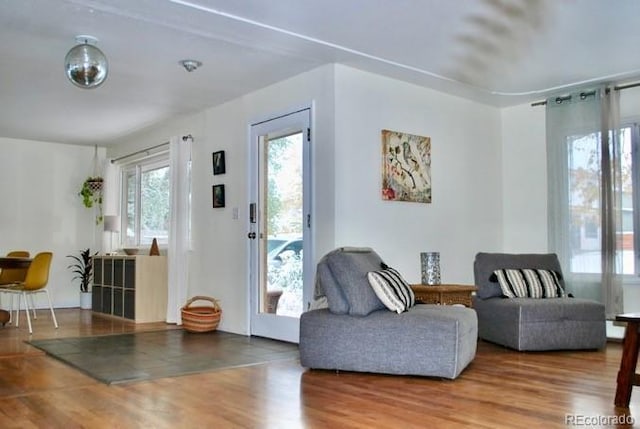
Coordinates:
(444, 294)
(627, 377)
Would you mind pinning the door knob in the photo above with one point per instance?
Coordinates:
(252, 235)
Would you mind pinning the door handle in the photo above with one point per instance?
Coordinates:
(252, 213)
(252, 235)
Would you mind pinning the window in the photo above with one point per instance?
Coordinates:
(583, 155)
(145, 201)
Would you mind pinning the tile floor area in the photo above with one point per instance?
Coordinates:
(149, 355)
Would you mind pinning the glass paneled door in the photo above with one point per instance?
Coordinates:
(280, 222)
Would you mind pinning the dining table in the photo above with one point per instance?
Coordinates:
(14, 262)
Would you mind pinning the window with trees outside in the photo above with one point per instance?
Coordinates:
(145, 201)
(583, 155)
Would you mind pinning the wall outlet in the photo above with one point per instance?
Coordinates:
(234, 213)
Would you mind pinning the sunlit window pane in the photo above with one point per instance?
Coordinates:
(130, 218)
(584, 160)
(154, 206)
(146, 205)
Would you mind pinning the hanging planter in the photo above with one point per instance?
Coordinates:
(94, 183)
(91, 191)
(91, 194)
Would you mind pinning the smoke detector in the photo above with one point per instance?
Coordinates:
(190, 65)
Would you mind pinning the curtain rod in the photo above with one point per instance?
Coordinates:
(184, 139)
(616, 88)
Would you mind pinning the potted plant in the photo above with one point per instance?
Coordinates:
(82, 268)
(91, 193)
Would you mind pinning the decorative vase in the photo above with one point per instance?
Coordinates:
(155, 250)
(430, 268)
(85, 300)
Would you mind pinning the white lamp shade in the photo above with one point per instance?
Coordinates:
(112, 223)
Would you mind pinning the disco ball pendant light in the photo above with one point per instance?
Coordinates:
(85, 65)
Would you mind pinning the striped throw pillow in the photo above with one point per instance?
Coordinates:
(529, 283)
(394, 292)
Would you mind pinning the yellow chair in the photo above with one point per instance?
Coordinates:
(9, 276)
(35, 282)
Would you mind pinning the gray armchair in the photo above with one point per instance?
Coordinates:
(533, 324)
(356, 332)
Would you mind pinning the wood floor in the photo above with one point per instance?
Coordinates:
(500, 389)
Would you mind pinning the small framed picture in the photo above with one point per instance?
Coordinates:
(218, 196)
(218, 162)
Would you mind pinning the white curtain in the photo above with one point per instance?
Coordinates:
(110, 203)
(180, 228)
(584, 193)
(111, 192)
(611, 203)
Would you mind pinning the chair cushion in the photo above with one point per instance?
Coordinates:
(486, 263)
(529, 283)
(542, 324)
(350, 272)
(562, 309)
(523, 311)
(341, 277)
(326, 286)
(428, 340)
(394, 292)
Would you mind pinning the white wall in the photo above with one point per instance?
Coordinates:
(220, 246)
(155, 135)
(524, 179)
(465, 216)
(220, 256)
(42, 210)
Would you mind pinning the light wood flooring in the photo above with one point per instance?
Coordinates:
(500, 389)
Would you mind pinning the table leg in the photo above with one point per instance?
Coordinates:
(626, 375)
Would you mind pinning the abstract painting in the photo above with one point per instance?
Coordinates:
(406, 167)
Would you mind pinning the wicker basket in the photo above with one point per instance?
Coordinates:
(201, 319)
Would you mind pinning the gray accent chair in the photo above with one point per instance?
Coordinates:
(533, 324)
(356, 332)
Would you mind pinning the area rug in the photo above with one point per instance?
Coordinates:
(147, 355)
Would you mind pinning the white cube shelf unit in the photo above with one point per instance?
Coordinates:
(131, 287)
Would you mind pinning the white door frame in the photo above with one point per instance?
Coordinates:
(265, 324)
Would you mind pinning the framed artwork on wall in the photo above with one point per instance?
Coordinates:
(406, 167)
(218, 196)
(218, 162)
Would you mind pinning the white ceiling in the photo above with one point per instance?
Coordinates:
(499, 52)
